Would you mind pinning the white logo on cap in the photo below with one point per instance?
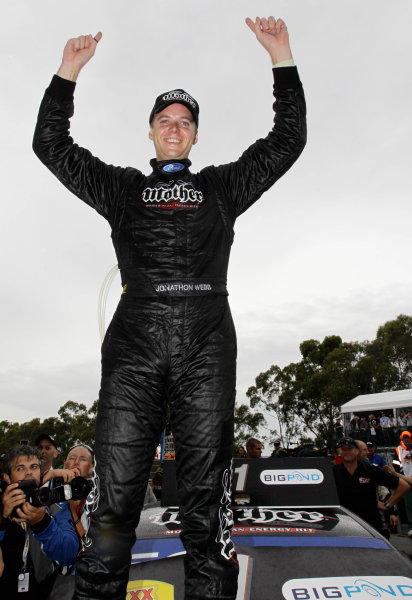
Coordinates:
(176, 95)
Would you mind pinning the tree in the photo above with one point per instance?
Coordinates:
(306, 396)
(391, 355)
(247, 424)
(265, 394)
(75, 423)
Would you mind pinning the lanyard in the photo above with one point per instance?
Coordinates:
(26, 547)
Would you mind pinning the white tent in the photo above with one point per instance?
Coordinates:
(376, 402)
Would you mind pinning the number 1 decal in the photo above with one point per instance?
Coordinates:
(241, 473)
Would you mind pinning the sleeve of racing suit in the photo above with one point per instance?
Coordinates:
(263, 163)
(93, 181)
(58, 539)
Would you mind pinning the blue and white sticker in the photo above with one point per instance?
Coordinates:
(291, 477)
(173, 167)
(355, 587)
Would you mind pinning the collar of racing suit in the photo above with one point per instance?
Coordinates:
(160, 167)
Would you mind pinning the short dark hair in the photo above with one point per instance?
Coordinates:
(15, 452)
(251, 443)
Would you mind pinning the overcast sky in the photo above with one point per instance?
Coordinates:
(325, 251)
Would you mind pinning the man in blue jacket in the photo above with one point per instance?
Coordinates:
(34, 540)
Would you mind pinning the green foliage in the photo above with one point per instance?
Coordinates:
(75, 423)
(247, 424)
(306, 396)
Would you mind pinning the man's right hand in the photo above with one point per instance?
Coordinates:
(77, 52)
(11, 498)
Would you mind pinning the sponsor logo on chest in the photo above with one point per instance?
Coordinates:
(176, 194)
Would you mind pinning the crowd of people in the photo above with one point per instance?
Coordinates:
(43, 517)
(40, 539)
(381, 428)
(365, 483)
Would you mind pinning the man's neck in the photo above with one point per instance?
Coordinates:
(351, 466)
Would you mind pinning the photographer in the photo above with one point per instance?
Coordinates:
(34, 540)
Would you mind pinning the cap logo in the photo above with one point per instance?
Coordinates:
(176, 95)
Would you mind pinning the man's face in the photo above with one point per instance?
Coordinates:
(371, 450)
(349, 453)
(81, 458)
(363, 451)
(173, 132)
(408, 442)
(48, 454)
(25, 467)
(255, 451)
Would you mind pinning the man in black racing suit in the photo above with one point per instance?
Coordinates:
(171, 341)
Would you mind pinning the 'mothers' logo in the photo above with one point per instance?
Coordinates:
(291, 477)
(361, 588)
(176, 195)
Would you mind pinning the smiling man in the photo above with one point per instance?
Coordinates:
(172, 341)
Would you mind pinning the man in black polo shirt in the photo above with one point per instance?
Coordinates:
(356, 484)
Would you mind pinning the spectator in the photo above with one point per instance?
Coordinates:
(356, 484)
(47, 446)
(253, 448)
(363, 428)
(408, 417)
(80, 457)
(241, 452)
(384, 423)
(404, 452)
(363, 450)
(373, 426)
(402, 421)
(276, 448)
(355, 423)
(348, 428)
(338, 428)
(392, 421)
(34, 541)
(384, 420)
(372, 458)
(390, 518)
(393, 429)
(278, 451)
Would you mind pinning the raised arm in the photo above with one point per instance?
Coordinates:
(274, 37)
(95, 182)
(77, 52)
(265, 161)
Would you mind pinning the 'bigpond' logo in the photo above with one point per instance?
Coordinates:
(291, 477)
(345, 588)
(149, 590)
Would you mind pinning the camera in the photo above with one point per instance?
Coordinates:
(77, 489)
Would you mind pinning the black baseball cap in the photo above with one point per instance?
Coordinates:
(46, 436)
(370, 444)
(347, 441)
(176, 97)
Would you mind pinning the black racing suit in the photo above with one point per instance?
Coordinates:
(171, 341)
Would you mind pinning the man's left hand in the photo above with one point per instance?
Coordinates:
(273, 35)
(30, 514)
